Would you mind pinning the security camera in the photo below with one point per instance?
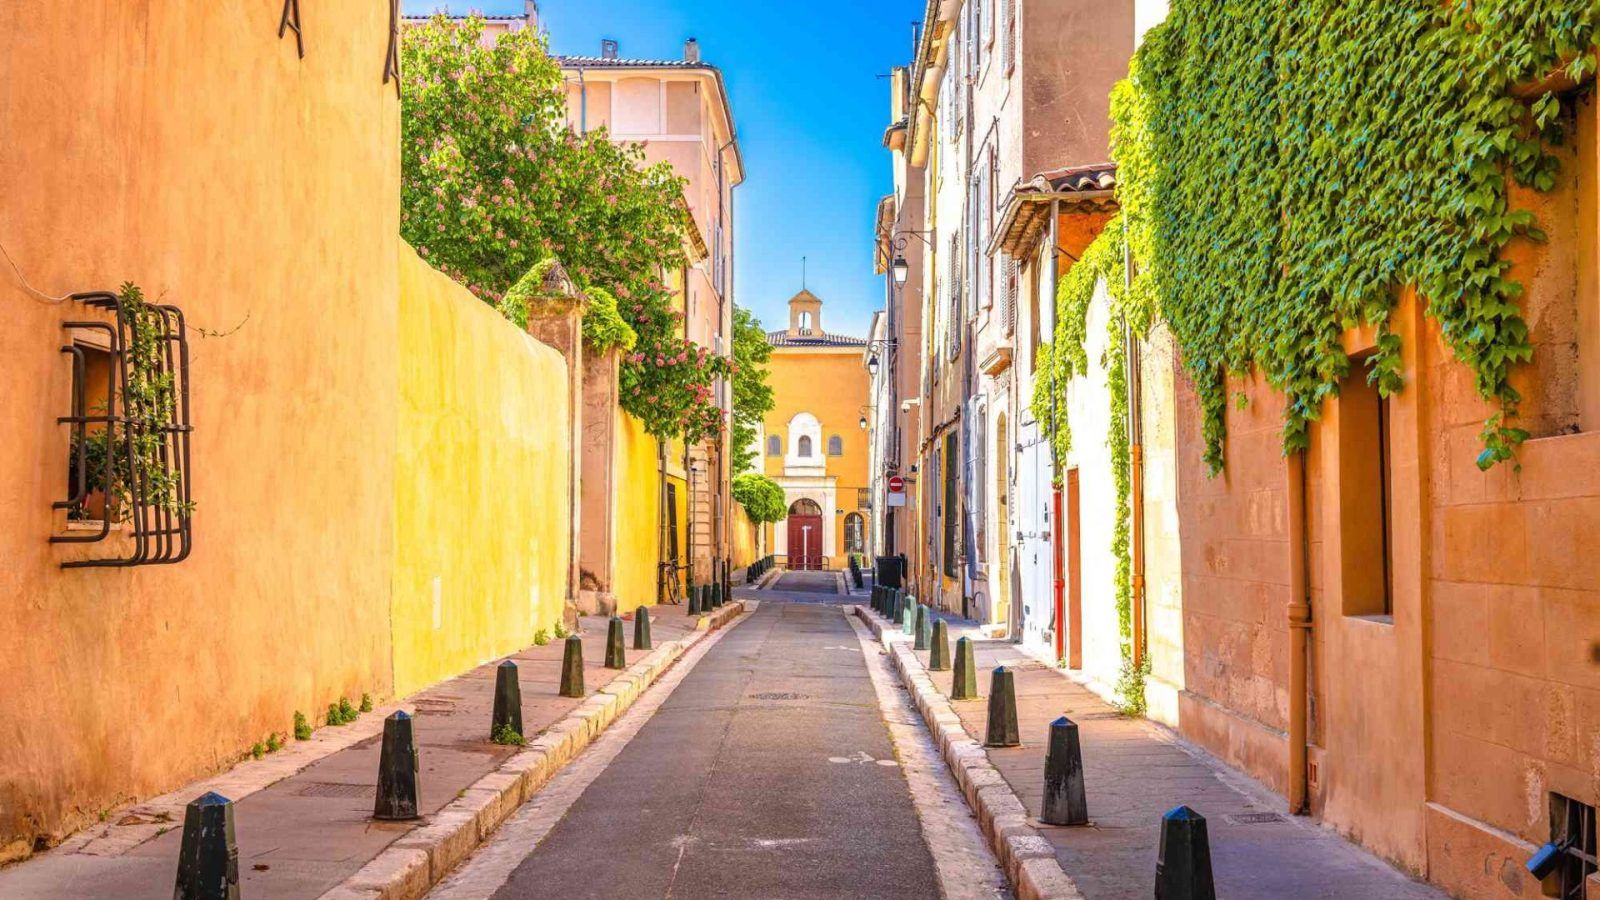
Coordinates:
(907, 405)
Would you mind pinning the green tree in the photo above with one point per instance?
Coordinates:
(752, 396)
(495, 183)
(761, 497)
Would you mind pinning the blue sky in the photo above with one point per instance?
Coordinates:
(810, 109)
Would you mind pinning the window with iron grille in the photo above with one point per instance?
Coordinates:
(863, 498)
(1572, 825)
(128, 462)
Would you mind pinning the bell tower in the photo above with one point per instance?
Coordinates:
(805, 315)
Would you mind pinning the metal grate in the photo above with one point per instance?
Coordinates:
(141, 445)
(335, 789)
(1572, 824)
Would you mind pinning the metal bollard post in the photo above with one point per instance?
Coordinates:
(1002, 728)
(1064, 799)
(924, 627)
(397, 771)
(572, 667)
(208, 858)
(507, 700)
(641, 629)
(1183, 867)
(694, 600)
(939, 652)
(964, 684)
(616, 657)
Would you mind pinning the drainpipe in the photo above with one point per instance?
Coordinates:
(583, 103)
(1135, 461)
(1058, 527)
(1299, 608)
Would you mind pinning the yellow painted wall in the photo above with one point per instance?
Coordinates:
(745, 545)
(481, 506)
(638, 506)
(833, 385)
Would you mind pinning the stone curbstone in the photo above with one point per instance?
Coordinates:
(419, 860)
(1028, 859)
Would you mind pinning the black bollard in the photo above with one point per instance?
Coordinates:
(1064, 800)
(694, 600)
(616, 658)
(939, 650)
(507, 700)
(924, 628)
(397, 771)
(716, 594)
(1002, 728)
(572, 667)
(1183, 867)
(641, 629)
(208, 858)
(964, 684)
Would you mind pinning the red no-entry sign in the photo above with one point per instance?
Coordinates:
(897, 485)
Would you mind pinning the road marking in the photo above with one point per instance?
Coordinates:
(492, 864)
(966, 868)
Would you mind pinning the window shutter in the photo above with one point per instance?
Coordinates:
(1012, 275)
(1008, 40)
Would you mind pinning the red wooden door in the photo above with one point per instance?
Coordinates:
(805, 541)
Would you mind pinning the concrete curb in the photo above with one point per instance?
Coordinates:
(1028, 859)
(411, 866)
(764, 583)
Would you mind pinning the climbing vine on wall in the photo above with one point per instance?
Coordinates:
(1067, 357)
(1286, 168)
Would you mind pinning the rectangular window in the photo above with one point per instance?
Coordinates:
(1366, 495)
(1572, 825)
(952, 520)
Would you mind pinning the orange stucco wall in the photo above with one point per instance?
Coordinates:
(1438, 735)
(183, 146)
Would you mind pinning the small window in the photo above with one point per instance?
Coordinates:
(854, 534)
(836, 446)
(774, 445)
(1572, 825)
(804, 449)
(1366, 501)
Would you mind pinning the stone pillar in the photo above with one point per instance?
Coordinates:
(598, 493)
(555, 318)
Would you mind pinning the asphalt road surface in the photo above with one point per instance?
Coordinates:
(768, 773)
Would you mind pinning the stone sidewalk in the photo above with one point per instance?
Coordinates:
(1135, 771)
(303, 815)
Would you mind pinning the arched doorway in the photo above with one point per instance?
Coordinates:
(805, 535)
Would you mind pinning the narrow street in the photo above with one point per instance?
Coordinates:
(767, 772)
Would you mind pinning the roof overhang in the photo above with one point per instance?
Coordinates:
(1026, 211)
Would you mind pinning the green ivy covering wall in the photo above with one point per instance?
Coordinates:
(1287, 167)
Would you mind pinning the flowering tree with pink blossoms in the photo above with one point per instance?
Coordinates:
(495, 182)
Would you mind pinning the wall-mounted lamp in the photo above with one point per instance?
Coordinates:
(872, 364)
(902, 270)
(863, 423)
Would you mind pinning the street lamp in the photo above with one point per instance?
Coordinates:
(902, 270)
(863, 423)
(872, 364)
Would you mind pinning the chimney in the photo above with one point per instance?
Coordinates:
(530, 13)
(691, 50)
(608, 49)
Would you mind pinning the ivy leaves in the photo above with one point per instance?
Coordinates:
(1286, 167)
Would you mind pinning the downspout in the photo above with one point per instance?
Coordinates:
(1057, 523)
(1299, 608)
(661, 520)
(1135, 461)
(583, 102)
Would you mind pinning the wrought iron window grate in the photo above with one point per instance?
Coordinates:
(139, 448)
